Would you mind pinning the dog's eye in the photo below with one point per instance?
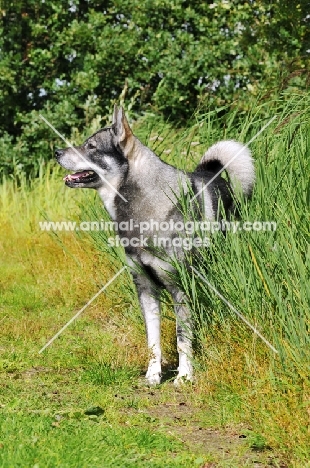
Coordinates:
(91, 145)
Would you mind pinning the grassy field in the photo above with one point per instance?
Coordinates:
(83, 401)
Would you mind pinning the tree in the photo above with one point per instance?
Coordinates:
(72, 59)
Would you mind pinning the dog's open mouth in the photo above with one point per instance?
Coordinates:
(84, 177)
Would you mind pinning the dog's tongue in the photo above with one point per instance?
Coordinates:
(76, 175)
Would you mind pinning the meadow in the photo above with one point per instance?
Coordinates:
(83, 401)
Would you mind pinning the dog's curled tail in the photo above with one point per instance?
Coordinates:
(237, 161)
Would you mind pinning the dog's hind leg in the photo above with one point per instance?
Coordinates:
(184, 338)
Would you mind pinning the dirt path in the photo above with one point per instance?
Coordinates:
(227, 447)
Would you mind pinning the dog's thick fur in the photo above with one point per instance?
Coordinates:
(135, 184)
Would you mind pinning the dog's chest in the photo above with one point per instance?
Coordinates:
(108, 198)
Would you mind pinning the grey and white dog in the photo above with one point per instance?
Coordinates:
(137, 187)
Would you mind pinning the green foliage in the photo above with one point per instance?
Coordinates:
(71, 60)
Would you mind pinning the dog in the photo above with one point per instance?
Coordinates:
(139, 189)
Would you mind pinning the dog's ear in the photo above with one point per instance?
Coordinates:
(121, 126)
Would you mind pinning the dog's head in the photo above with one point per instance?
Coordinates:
(102, 157)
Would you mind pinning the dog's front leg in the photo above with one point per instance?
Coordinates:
(184, 338)
(151, 313)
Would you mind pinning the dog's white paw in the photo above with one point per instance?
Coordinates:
(181, 380)
(153, 375)
(186, 373)
(153, 379)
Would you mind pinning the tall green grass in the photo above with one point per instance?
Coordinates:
(266, 274)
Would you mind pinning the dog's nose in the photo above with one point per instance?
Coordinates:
(58, 153)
